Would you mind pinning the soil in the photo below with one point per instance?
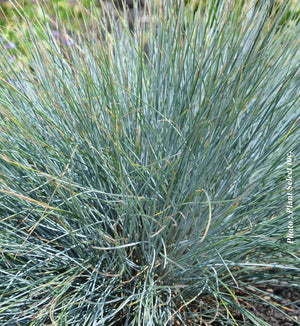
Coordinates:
(274, 317)
(286, 299)
(289, 302)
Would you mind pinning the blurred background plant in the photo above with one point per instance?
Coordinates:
(13, 26)
(70, 14)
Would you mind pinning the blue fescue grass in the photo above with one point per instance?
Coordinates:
(143, 173)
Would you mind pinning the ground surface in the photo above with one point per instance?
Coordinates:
(270, 314)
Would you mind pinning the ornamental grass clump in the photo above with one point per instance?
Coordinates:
(143, 170)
